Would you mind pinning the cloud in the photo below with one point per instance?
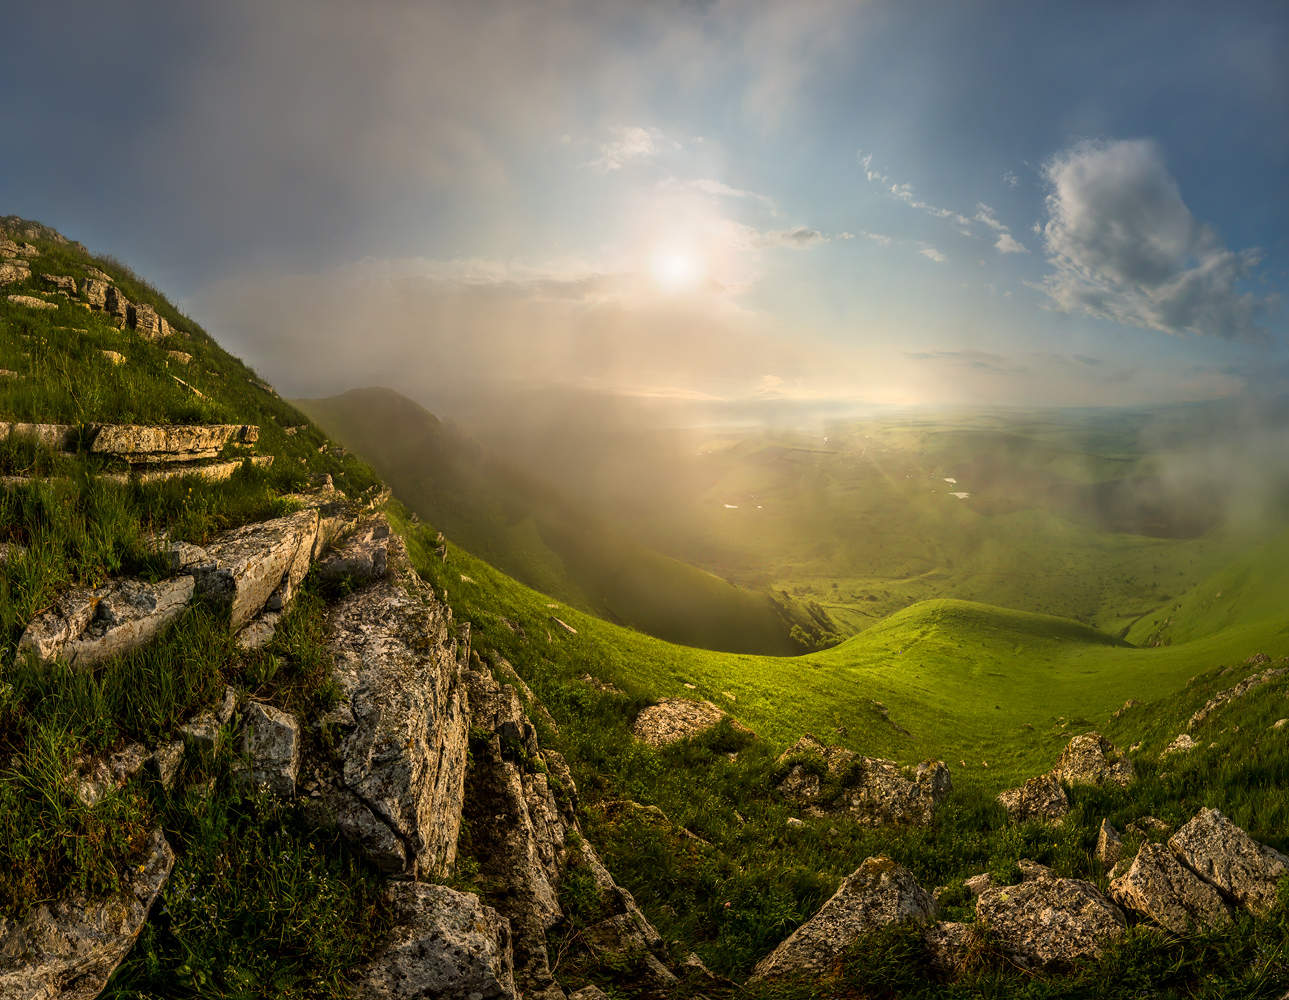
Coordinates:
(628, 142)
(931, 253)
(1010, 178)
(1007, 243)
(985, 214)
(719, 189)
(1124, 247)
(797, 237)
(982, 361)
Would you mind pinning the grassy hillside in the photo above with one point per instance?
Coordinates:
(530, 529)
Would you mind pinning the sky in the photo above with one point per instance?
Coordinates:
(804, 204)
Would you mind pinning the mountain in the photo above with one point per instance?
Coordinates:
(265, 731)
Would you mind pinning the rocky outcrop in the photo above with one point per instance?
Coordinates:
(94, 291)
(444, 943)
(1091, 759)
(67, 948)
(1041, 798)
(363, 557)
(87, 626)
(64, 283)
(1048, 922)
(116, 305)
(1161, 888)
(31, 302)
(872, 790)
(879, 893)
(145, 320)
(674, 719)
(1221, 853)
(140, 443)
(13, 271)
(271, 745)
(210, 471)
(396, 785)
(1231, 694)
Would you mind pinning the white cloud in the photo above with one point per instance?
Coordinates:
(719, 189)
(1008, 244)
(985, 214)
(931, 253)
(796, 237)
(1123, 246)
(628, 142)
(1010, 178)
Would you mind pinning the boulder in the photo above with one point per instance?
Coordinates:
(443, 943)
(165, 762)
(872, 790)
(978, 883)
(116, 305)
(271, 743)
(246, 566)
(363, 557)
(67, 948)
(94, 290)
(1091, 759)
(949, 944)
(61, 283)
(48, 633)
(258, 632)
(674, 719)
(1183, 743)
(1109, 845)
(1160, 887)
(1049, 922)
(145, 320)
(13, 271)
(1223, 854)
(179, 357)
(401, 762)
(879, 893)
(9, 249)
(31, 302)
(1040, 798)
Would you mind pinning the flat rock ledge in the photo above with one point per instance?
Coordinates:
(872, 790)
(877, 894)
(66, 949)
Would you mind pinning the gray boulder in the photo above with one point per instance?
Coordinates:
(444, 944)
(1231, 694)
(1109, 845)
(1041, 798)
(1091, 759)
(949, 945)
(116, 305)
(879, 893)
(271, 742)
(145, 320)
(67, 948)
(1224, 855)
(1049, 922)
(95, 292)
(1160, 887)
(674, 719)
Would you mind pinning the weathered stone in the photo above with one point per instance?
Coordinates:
(363, 557)
(589, 993)
(60, 437)
(128, 614)
(61, 282)
(99, 776)
(674, 719)
(66, 949)
(1223, 854)
(949, 945)
(1049, 922)
(258, 632)
(872, 790)
(879, 893)
(1231, 694)
(444, 943)
(1160, 887)
(94, 291)
(1109, 845)
(31, 302)
(9, 249)
(116, 305)
(1041, 798)
(115, 357)
(141, 443)
(179, 357)
(13, 271)
(1183, 743)
(145, 320)
(50, 631)
(180, 555)
(1091, 759)
(1031, 870)
(165, 762)
(978, 883)
(248, 564)
(271, 741)
(210, 471)
(399, 671)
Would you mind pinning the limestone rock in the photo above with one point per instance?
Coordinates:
(444, 944)
(363, 557)
(115, 357)
(872, 790)
(674, 719)
(62, 283)
(1040, 798)
(1049, 922)
(949, 944)
(589, 993)
(978, 883)
(127, 615)
(1223, 854)
(1183, 743)
(59, 437)
(402, 761)
(271, 741)
(49, 632)
(1091, 759)
(31, 302)
(258, 632)
(247, 565)
(1109, 845)
(94, 290)
(165, 762)
(1160, 887)
(145, 320)
(877, 894)
(139, 443)
(116, 305)
(68, 948)
(13, 271)
(1231, 694)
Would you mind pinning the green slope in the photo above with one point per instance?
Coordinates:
(538, 535)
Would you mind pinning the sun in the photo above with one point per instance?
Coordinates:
(676, 270)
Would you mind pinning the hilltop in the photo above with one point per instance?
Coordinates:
(271, 730)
